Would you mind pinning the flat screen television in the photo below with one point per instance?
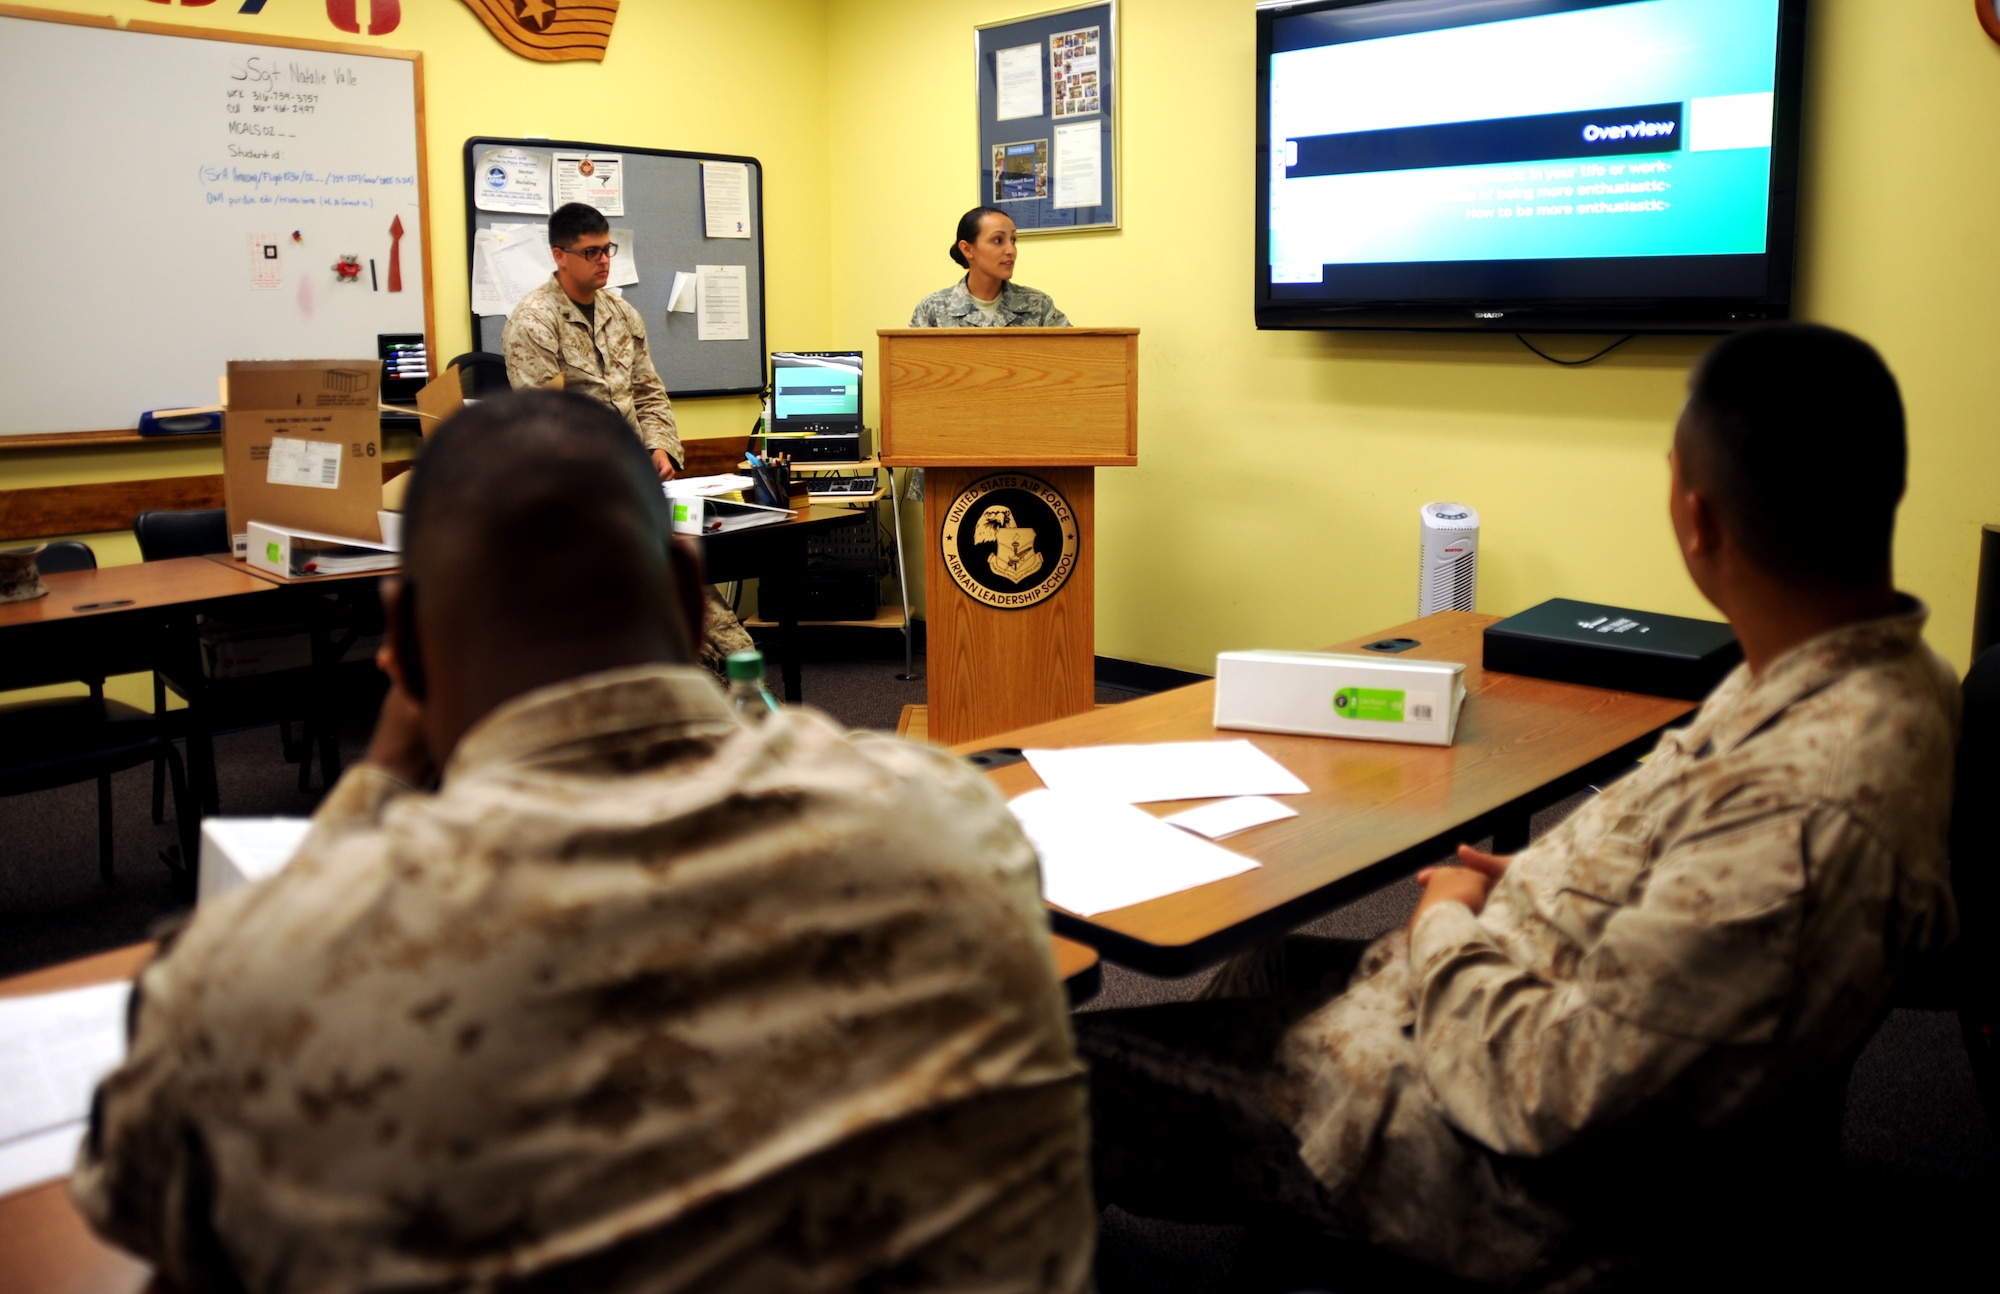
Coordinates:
(816, 392)
(1527, 165)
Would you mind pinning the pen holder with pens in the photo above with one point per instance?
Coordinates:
(771, 484)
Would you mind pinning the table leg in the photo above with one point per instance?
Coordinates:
(788, 660)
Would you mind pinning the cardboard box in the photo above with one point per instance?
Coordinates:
(302, 446)
(1333, 694)
(440, 398)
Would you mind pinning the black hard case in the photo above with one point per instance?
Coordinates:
(1614, 647)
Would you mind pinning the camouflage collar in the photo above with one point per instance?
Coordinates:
(964, 305)
(592, 710)
(1742, 705)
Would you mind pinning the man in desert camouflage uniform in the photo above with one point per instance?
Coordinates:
(636, 998)
(595, 341)
(1570, 1052)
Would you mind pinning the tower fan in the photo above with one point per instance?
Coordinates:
(1448, 565)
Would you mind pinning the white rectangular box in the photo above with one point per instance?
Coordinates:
(283, 550)
(1332, 694)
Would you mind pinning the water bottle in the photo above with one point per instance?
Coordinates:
(748, 696)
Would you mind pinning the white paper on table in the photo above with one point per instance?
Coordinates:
(720, 313)
(625, 265)
(53, 1049)
(1079, 178)
(1168, 770)
(682, 487)
(1097, 856)
(40, 1157)
(725, 198)
(512, 179)
(680, 299)
(1018, 75)
(1227, 817)
(311, 463)
(594, 179)
(241, 851)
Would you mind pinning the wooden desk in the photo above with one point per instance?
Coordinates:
(45, 1247)
(108, 621)
(773, 553)
(1375, 811)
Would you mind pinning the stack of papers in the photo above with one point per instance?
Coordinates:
(1097, 855)
(1168, 770)
(1099, 852)
(56, 1046)
(684, 487)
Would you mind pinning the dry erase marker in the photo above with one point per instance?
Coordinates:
(374, 284)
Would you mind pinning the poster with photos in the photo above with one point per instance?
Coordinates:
(1074, 82)
(1047, 150)
(1021, 171)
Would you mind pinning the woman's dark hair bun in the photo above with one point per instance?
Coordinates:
(968, 230)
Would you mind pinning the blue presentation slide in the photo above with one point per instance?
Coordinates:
(1639, 129)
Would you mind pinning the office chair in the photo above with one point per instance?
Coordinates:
(65, 740)
(277, 697)
(1974, 964)
(481, 373)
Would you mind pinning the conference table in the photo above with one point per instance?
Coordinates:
(113, 620)
(775, 553)
(1374, 811)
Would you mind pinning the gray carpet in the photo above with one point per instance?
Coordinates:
(1919, 1153)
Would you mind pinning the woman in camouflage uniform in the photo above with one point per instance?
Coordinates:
(986, 297)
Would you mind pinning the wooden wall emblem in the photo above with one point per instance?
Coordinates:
(550, 31)
(1010, 540)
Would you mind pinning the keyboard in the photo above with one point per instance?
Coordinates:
(840, 486)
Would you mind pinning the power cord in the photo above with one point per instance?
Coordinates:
(1574, 363)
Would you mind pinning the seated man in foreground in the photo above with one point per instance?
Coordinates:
(636, 997)
(1642, 1010)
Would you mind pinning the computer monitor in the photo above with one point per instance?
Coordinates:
(816, 392)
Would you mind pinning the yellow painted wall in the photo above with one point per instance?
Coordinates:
(682, 74)
(1281, 473)
(1276, 500)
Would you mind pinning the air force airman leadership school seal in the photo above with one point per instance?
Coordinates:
(1010, 540)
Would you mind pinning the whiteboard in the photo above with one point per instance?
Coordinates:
(140, 166)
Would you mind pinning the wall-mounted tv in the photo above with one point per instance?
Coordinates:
(1527, 165)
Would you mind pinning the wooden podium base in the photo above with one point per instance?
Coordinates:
(995, 667)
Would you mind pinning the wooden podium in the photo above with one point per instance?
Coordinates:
(1009, 425)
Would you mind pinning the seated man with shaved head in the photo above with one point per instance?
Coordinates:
(1588, 1061)
(579, 985)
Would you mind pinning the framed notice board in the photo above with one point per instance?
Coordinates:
(1047, 88)
(659, 204)
(190, 197)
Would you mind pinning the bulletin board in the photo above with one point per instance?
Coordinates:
(1047, 89)
(664, 221)
(177, 198)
